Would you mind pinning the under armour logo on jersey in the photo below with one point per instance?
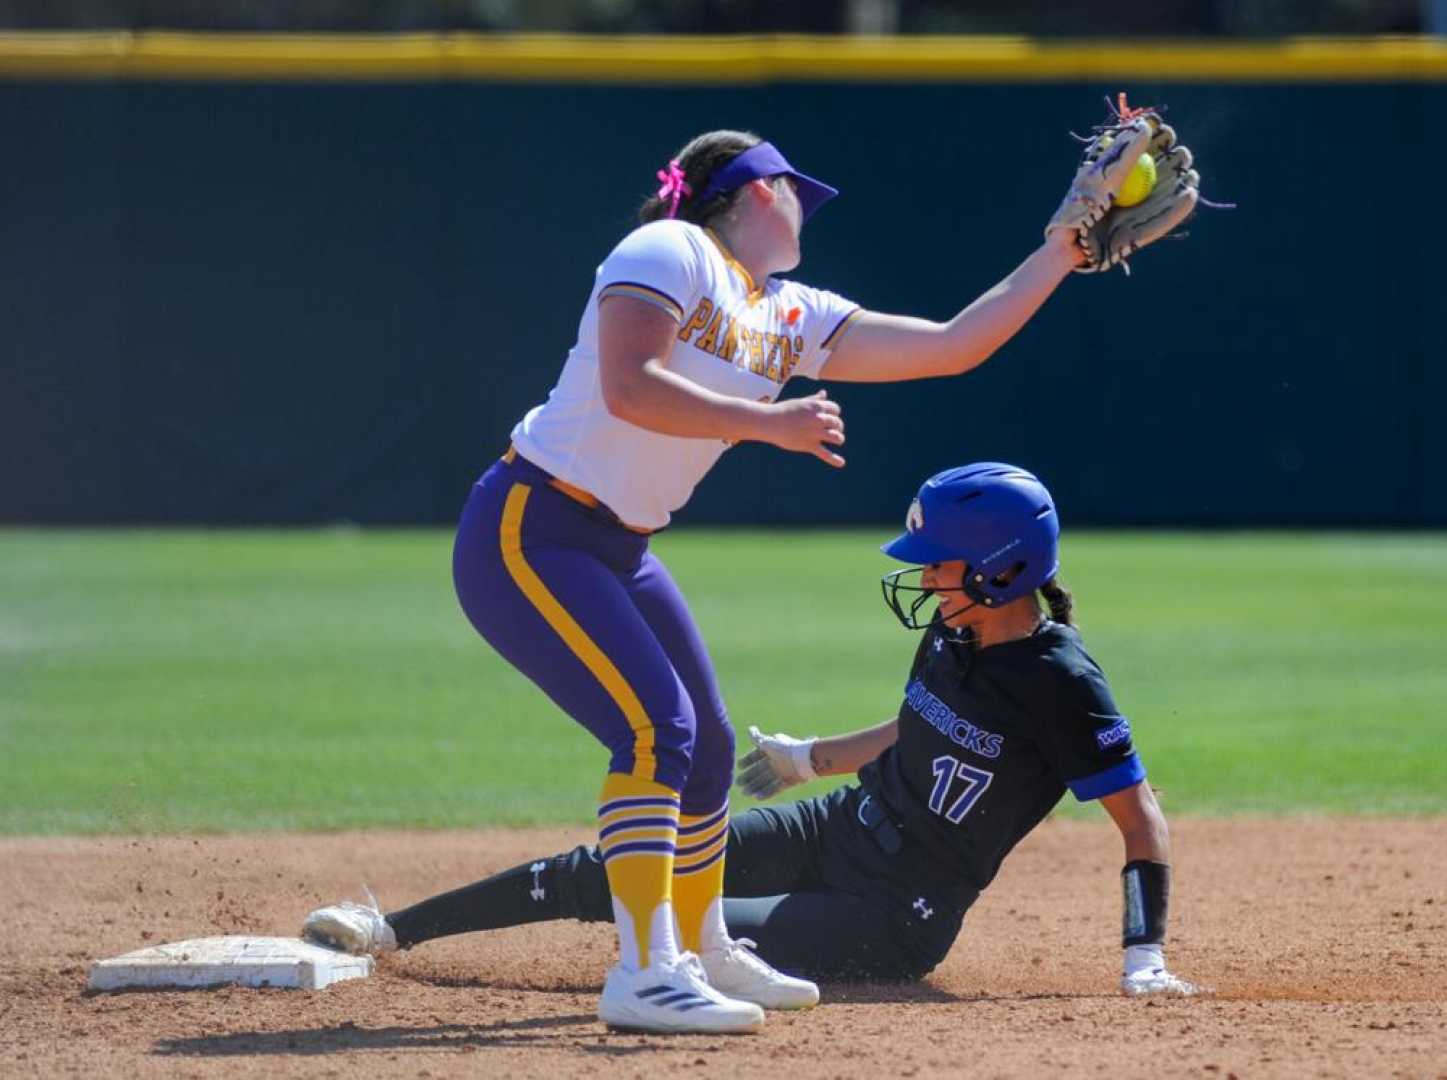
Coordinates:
(925, 911)
(939, 645)
(538, 892)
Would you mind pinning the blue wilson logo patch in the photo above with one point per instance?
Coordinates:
(1118, 732)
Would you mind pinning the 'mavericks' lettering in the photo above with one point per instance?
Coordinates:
(957, 729)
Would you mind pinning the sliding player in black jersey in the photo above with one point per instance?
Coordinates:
(1003, 712)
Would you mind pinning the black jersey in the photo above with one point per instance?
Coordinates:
(990, 739)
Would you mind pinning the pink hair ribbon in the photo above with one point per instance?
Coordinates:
(674, 186)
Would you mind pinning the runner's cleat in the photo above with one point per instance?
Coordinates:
(1156, 981)
(359, 929)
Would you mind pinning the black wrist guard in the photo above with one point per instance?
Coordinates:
(1146, 887)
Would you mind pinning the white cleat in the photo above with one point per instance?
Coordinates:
(737, 971)
(359, 929)
(1157, 981)
(673, 998)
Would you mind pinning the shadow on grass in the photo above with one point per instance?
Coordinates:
(539, 1032)
(831, 992)
(576, 1032)
(449, 981)
(924, 993)
(883, 993)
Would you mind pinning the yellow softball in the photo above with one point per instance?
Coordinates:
(1139, 183)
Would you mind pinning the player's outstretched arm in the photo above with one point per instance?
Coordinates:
(780, 761)
(891, 348)
(894, 348)
(1146, 889)
(841, 755)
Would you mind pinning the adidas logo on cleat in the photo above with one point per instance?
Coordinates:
(682, 1000)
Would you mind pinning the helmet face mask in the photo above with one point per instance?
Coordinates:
(998, 519)
(893, 584)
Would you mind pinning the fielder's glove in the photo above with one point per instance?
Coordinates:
(1109, 234)
(776, 762)
(1145, 973)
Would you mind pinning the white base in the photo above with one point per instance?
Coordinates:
(288, 963)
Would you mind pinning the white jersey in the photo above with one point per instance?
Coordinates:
(733, 339)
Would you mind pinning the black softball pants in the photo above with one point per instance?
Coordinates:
(813, 886)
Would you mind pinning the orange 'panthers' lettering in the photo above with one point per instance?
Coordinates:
(708, 340)
(756, 351)
(787, 359)
(774, 341)
(774, 356)
(697, 321)
(730, 343)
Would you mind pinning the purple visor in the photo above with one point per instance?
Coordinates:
(761, 162)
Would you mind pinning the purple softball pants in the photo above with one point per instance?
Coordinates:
(576, 602)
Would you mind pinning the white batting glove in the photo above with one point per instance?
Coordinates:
(1145, 973)
(776, 762)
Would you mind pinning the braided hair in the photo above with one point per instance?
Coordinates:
(699, 160)
(1059, 600)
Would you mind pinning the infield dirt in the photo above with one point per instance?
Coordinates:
(1324, 942)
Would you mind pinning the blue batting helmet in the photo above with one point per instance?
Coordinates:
(998, 518)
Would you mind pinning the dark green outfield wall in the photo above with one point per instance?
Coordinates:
(242, 303)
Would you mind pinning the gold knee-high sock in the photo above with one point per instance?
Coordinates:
(698, 873)
(637, 833)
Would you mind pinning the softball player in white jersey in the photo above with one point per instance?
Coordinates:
(731, 337)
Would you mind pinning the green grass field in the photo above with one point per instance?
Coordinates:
(159, 681)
